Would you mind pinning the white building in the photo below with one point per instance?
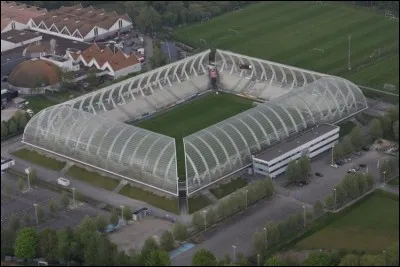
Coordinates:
(310, 143)
(16, 16)
(81, 24)
(66, 64)
(14, 38)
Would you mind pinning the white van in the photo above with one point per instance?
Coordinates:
(63, 181)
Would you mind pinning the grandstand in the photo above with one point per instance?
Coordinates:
(90, 129)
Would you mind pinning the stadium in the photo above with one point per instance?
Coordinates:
(220, 119)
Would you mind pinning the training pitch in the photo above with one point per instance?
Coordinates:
(310, 36)
(194, 116)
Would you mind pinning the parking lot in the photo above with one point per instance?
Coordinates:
(319, 187)
(21, 203)
(134, 235)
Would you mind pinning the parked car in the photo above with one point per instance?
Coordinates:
(366, 148)
(334, 165)
(357, 153)
(302, 183)
(352, 171)
(319, 174)
(63, 181)
(340, 162)
(362, 165)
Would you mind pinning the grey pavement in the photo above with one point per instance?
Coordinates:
(239, 229)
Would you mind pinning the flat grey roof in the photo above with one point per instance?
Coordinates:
(295, 141)
(16, 36)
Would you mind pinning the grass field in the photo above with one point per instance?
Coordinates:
(193, 116)
(161, 202)
(288, 32)
(197, 203)
(225, 189)
(372, 226)
(39, 159)
(92, 178)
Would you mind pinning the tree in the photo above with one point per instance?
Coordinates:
(4, 130)
(22, 121)
(32, 176)
(90, 254)
(338, 151)
(274, 261)
(292, 172)
(357, 137)
(52, 206)
(318, 208)
(347, 145)
(148, 19)
(259, 241)
(20, 184)
(167, 241)
(64, 237)
(304, 166)
(350, 260)
(203, 257)
(105, 251)
(158, 59)
(370, 180)
(25, 244)
(158, 257)
(391, 255)
(180, 231)
(14, 223)
(372, 260)
(375, 129)
(114, 217)
(317, 258)
(330, 202)
(396, 130)
(273, 234)
(40, 213)
(198, 220)
(149, 245)
(47, 244)
(101, 223)
(7, 241)
(361, 183)
(12, 127)
(26, 219)
(64, 201)
(127, 213)
(78, 196)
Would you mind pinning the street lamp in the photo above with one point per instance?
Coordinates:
(334, 193)
(384, 176)
(265, 236)
(36, 214)
(258, 259)
(73, 196)
(304, 215)
(122, 212)
(247, 191)
(205, 219)
(234, 253)
(28, 171)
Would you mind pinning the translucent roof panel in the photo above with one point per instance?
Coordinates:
(223, 148)
(136, 154)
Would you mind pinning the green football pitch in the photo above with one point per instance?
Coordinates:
(309, 36)
(193, 116)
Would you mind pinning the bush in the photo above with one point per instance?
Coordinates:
(167, 241)
(180, 231)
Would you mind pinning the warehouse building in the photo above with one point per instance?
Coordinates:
(311, 143)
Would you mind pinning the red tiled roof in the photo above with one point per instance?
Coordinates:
(12, 11)
(83, 19)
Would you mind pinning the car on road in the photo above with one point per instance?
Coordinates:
(319, 174)
(352, 171)
(334, 165)
(357, 153)
(366, 148)
(302, 183)
(362, 165)
(63, 181)
(340, 162)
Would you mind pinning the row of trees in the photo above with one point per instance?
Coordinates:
(233, 203)
(392, 6)
(352, 186)
(298, 170)
(389, 168)
(14, 125)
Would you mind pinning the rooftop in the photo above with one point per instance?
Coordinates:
(16, 37)
(79, 18)
(12, 11)
(295, 141)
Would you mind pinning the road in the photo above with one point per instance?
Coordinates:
(96, 193)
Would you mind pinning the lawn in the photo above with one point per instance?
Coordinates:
(191, 117)
(161, 202)
(372, 225)
(345, 128)
(394, 182)
(197, 203)
(92, 178)
(288, 31)
(228, 188)
(39, 159)
(39, 102)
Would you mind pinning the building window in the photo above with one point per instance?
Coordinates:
(13, 25)
(96, 32)
(120, 23)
